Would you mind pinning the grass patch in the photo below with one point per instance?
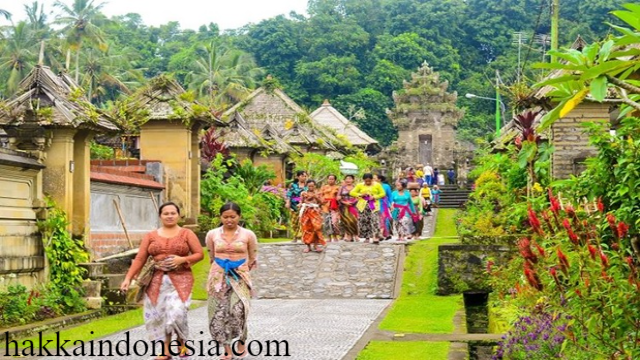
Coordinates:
(418, 309)
(401, 350)
(100, 327)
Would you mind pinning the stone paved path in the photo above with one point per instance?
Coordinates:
(315, 329)
(343, 270)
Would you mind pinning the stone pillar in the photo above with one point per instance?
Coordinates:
(82, 183)
(58, 176)
(170, 143)
(195, 173)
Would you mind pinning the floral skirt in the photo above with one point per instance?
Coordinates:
(295, 224)
(404, 226)
(311, 222)
(169, 315)
(369, 223)
(348, 220)
(331, 224)
(228, 311)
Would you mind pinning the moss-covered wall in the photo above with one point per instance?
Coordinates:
(463, 267)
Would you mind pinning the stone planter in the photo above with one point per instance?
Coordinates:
(462, 267)
(501, 240)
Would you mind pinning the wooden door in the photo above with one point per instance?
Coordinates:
(425, 149)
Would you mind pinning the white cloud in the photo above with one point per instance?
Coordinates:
(228, 14)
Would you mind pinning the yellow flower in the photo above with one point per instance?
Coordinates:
(537, 188)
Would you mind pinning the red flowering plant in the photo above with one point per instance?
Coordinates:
(578, 263)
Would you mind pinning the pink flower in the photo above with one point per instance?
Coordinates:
(623, 229)
(592, 251)
(600, 205)
(604, 259)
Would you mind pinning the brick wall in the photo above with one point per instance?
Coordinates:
(570, 140)
(108, 243)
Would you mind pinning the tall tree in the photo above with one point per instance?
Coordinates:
(79, 23)
(18, 55)
(223, 75)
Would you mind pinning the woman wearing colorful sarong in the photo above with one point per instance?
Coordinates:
(418, 205)
(403, 211)
(168, 295)
(368, 193)
(330, 208)
(348, 211)
(311, 217)
(385, 209)
(233, 251)
(293, 200)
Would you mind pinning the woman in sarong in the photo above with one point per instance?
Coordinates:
(233, 251)
(293, 200)
(418, 205)
(403, 211)
(330, 209)
(311, 217)
(168, 296)
(368, 193)
(348, 211)
(385, 209)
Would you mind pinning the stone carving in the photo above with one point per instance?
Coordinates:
(426, 117)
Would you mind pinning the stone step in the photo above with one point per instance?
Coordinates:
(92, 288)
(94, 302)
(113, 281)
(94, 270)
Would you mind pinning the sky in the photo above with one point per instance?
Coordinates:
(228, 14)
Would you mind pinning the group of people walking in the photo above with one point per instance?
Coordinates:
(172, 251)
(370, 210)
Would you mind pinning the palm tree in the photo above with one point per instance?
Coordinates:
(79, 25)
(5, 13)
(223, 76)
(37, 18)
(107, 74)
(18, 54)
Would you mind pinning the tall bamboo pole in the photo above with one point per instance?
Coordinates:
(555, 19)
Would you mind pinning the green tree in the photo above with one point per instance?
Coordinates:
(18, 56)
(223, 76)
(330, 77)
(375, 123)
(79, 21)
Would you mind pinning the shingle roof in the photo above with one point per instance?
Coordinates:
(42, 89)
(284, 116)
(327, 115)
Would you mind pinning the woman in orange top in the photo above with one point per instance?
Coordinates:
(330, 208)
(311, 218)
(166, 302)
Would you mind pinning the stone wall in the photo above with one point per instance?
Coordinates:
(463, 267)
(107, 235)
(570, 140)
(343, 270)
(22, 258)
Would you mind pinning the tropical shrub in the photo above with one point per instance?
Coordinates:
(226, 180)
(579, 262)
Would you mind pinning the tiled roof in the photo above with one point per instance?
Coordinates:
(327, 115)
(116, 175)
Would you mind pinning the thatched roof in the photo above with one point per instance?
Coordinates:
(327, 115)
(42, 90)
(283, 115)
(165, 99)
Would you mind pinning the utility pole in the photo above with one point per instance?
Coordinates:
(555, 18)
(497, 104)
(518, 38)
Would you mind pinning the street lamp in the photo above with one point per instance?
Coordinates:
(502, 106)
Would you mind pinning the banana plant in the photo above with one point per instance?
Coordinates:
(603, 71)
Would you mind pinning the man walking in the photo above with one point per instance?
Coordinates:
(428, 174)
(451, 174)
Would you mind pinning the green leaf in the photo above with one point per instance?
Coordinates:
(599, 88)
(605, 51)
(628, 17)
(609, 67)
(591, 51)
